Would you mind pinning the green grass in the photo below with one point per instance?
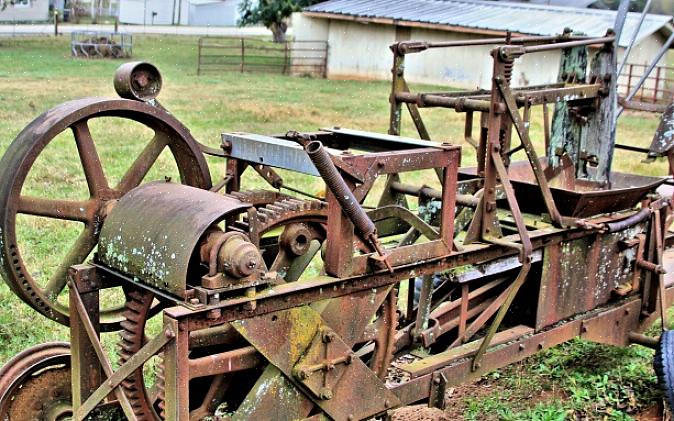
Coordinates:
(578, 380)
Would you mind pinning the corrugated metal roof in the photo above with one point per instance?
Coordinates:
(522, 18)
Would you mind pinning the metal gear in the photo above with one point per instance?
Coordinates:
(136, 313)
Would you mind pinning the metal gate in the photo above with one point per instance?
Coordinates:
(218, 54)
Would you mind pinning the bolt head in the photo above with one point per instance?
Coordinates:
(329, 336)
(326, 394)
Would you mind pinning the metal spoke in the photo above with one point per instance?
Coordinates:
(141, 166)
(78, 252)
(93, 170)
(70, 210)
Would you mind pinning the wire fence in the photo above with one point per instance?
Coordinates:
(217, 54)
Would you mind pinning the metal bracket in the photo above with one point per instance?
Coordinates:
(438, 389)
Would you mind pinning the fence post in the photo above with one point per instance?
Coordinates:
(199, 57)
(325, 60)
(629, 80)
(657, 82)
(56, 23)
(243, 55)
(285, 57)
(641, 96)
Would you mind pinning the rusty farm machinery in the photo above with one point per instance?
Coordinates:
(270, 304)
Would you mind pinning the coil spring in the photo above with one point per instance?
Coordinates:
(321, 159)
(508, 69)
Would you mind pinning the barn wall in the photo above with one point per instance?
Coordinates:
(37, 10)
(471, 67)
(131, 11)
(224, 13)
(361, 51)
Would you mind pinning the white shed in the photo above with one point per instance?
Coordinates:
(359, 33)
(214, 12)
(180, 12)
(26, 11)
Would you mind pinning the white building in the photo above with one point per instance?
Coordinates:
(26, 11)
(359, 33)
(179, 12)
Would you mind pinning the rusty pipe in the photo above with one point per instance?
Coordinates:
(430, 100)
(461, 199)
(643, 340)
(630, 221)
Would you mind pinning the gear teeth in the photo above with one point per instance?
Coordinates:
(131, 341)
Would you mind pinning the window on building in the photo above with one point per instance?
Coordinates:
(21, 3)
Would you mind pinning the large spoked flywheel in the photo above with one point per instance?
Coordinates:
(89, 210)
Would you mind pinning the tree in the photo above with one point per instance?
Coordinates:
(271, 13)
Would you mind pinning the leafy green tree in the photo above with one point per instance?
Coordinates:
(271, 13)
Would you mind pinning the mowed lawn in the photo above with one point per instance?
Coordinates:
(578, 380)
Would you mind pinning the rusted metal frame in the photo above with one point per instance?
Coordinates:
(448, 210)
(546, 125)
(480, 102)
(329, 287)
(339, 258)
(661, 277)
(483, 318)
(117, 377)
(525, 248)
(485, 220)
(339, 250)
(648, 293)
(512, 292)
(409, 47)
(404, 255)
(615, 325)
(397, 85)
(636, 278)
(468, 130)
(234, 170)
(424, 307)
(412, 160)
(640, 106)
(445, 307)
(523, 133)
(297, 353)
(461, 371)
(559, 46)
(416, 116)
(432, 363)
(215, 394)
(410, 306)
(485, 93)
(463, 312)
(404, 214)
(269, 175)
(466, 312)
(86, 369)
(431, 336)
(95, 343)
(177, 374)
